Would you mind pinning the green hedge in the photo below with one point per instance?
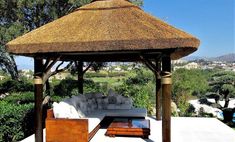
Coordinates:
(9, 86)
(69, 87)
(95, 74)
(104, 74)
(116, 74)
(13, 126)
(20, 98)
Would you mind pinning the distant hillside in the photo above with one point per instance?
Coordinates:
(226, 58)
(192, 58)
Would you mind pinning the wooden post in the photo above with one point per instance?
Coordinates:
(158, 90)
(166, 98)
(38, 94)
(80, 77)
(48, 88)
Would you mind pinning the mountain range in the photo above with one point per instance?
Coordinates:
(224, 58)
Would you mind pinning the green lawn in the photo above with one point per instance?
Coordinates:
(109, 80)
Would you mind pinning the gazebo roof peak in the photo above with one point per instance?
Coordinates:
(105, 26)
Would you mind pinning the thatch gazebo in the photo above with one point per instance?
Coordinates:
(104, 31)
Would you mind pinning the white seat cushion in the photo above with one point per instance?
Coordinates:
(92, 123)
(65, 110)
(80, 113)
(100, 114)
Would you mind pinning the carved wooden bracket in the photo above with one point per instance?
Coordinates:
(155, 68)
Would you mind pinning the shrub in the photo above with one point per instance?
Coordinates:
(95, 74)
(202, 113)
(104, 74)
(140, 88)
(65, 87)
(142, 77)
(116, 74)
(182, 103)
(69, 87)
(16, 86)
(141, 95)
(91, 86)
(228, 114)
(55, 98)
(12, 121)
(20, 98)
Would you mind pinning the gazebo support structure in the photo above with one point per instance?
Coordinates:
(123, 43)
(38, 94)
(42, 73)
(166, 98)
(165, 102)
(156, 69)
(80, 76)
(158, 90)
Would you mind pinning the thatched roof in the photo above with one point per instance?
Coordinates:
(108, 26)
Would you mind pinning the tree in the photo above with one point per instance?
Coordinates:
(96, 66)
(21, 16)
(188, 83)
(140, 87)
(8, 32)
(18, 17)
(223, 85)
(7, 64)
(192, 81)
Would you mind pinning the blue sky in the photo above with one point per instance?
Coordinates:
(212, 21)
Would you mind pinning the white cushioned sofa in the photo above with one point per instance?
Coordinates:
(91, 108)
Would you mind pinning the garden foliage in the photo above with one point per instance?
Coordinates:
(16, 110)
(13, 126)
(139, 86)
(9, 86)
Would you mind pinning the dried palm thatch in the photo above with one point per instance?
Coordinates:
(105, 26)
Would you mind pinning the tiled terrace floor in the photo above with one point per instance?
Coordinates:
(184, 129)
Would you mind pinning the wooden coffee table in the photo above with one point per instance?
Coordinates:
(129, 127)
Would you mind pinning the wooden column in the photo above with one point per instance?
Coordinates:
(48, 88)
(166, 98)
(38, 94)
(80, 77)
(158, 90)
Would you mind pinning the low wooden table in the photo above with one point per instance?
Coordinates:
(129, 127)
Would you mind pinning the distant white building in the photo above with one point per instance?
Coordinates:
(179, 61)
(61, 76)
(117, 69)
(192, 65)
(26, 73)
(2, 77)
(107, 68)
(130, 68)
(26, 70)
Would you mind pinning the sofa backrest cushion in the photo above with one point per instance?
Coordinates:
(80, 113)
(81, 104)
(112, 99)
(98, 95)
(112, 93)
(71, 101)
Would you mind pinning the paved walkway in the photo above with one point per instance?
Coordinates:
(184, 129)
